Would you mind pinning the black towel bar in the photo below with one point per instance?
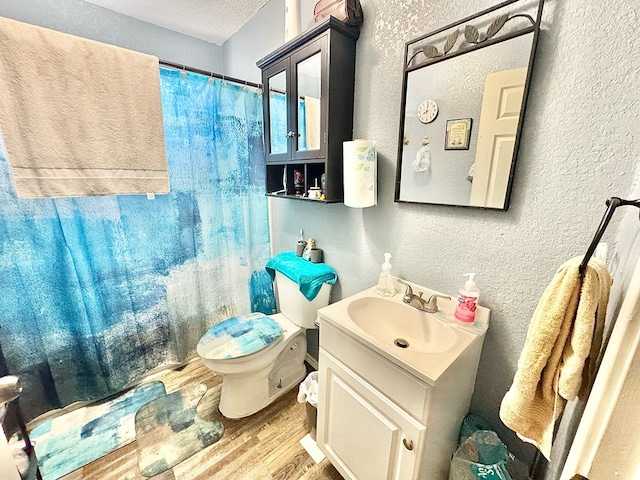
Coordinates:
(612, 204)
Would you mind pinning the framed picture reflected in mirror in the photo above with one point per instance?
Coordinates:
(458, 134)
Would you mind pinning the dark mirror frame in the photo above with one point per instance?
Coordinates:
(437, 46)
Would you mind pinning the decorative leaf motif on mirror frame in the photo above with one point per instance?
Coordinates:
(451, 41)
(497, 25)
(430, 51)
(471, 35)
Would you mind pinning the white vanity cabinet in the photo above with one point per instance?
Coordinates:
(365, 434)
(380, 419)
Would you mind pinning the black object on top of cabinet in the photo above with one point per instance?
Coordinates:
(308, 111)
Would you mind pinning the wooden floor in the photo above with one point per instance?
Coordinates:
(260, 447)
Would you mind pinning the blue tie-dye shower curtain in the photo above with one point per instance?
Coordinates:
(98, 291)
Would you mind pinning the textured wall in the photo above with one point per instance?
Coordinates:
(579, 147)
(86, 20)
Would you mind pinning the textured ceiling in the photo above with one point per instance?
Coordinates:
(210, 20)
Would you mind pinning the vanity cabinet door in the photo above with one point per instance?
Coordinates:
(363, 433)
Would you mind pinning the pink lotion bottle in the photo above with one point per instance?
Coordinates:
(467, 300)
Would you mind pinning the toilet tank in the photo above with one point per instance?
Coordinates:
(295, 306)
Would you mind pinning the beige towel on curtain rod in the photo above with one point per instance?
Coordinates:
(557, 362)
(79, 117)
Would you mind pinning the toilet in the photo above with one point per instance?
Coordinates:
(262, 357)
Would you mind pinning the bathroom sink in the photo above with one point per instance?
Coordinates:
(420, 343)
(401, 326)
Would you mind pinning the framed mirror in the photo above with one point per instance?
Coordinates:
(464, 95)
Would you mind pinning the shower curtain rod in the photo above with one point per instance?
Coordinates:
(208, 74)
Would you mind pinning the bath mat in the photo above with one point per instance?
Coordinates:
(66, 443)
(169, 430)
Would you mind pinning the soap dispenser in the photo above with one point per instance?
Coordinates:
(385, 281)
(467, 300)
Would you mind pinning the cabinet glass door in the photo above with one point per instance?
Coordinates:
(309, 101)
(278, 131)
(310, 93)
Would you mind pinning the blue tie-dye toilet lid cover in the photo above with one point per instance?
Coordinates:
(239, 336)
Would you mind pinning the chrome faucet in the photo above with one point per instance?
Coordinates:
(416, 301)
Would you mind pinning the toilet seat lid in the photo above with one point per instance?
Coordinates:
(238, 337)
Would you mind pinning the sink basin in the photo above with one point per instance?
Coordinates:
(401, 326)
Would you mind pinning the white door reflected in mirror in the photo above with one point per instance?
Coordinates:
(501, 105)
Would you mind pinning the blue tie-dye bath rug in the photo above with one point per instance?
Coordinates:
(169, 430)
(66, 443)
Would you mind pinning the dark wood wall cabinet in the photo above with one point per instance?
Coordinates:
(308, 111)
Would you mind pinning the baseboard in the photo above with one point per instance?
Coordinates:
(311, 361)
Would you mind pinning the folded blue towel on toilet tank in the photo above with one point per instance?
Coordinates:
(309, 276)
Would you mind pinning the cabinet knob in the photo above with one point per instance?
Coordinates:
(407, 444)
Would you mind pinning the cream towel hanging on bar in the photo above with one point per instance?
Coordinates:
(558, 360)
(79, 117)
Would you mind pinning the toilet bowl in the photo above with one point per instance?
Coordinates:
(262, 357)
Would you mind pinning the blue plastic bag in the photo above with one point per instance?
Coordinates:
(481, 456)
(471, 423)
